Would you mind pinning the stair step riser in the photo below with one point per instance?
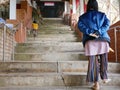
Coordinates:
(54, 36)
(51, 56)
(47, 31)
(66, 47)
(47, 49)
(57, 67)
(59, 44)
(51, 80)
(37, 40)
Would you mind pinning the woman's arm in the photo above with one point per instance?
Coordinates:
(105, 26)
(83, 27)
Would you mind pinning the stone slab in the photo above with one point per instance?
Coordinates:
(50, 79)
(60, 88)
(51, 66)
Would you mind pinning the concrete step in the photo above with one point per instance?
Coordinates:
(58, 28)
(50, 56)
(53, 38)
(55, 43)
(37, 40)
(53, 23)
(56, 35)
(53, 66)
(50, 79)
(54, 31)
(49, 47)
(87, 87)
(69, 73)
(55, 27)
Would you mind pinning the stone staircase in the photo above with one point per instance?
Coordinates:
(54, 58)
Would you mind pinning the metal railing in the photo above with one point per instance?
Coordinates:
(116, 30)
(7, 42)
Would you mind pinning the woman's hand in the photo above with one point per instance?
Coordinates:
(94, 35)
(111, 50)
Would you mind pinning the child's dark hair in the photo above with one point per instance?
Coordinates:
(92, 5)
(34, 21)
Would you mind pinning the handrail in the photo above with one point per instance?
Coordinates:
(115, 28)
(2, 25)
(7, 35)
(118, 26)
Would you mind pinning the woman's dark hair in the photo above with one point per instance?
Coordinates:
(92, 5)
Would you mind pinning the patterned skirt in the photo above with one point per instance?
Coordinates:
(94, 47)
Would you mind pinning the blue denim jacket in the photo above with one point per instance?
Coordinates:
(94, 21)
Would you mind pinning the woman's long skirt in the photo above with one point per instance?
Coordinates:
(97, 52)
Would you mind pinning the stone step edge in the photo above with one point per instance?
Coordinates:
(60, 66)
(75, 61)
(55, 87)
(51, 74)
(65, 52)
(49, 42)
(52, 42)
(52, 19)
(20, 61)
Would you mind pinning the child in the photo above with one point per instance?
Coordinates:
(35, 28)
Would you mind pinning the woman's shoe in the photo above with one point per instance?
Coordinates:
(96, 87)
(106, 80)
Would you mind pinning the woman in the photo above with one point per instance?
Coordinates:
(94, 26)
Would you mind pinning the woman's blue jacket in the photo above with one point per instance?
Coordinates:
(94, 22)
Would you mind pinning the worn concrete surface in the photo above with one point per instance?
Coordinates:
(54, 42)
(60, 88)
(53, 58)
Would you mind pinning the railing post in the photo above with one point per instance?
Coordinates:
(13, 42)
(116, 54)
(4, 37)
(12, 46)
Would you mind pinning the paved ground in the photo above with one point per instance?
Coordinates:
(59, 88)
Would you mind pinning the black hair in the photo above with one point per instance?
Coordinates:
(34, 21)
(92, 5)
